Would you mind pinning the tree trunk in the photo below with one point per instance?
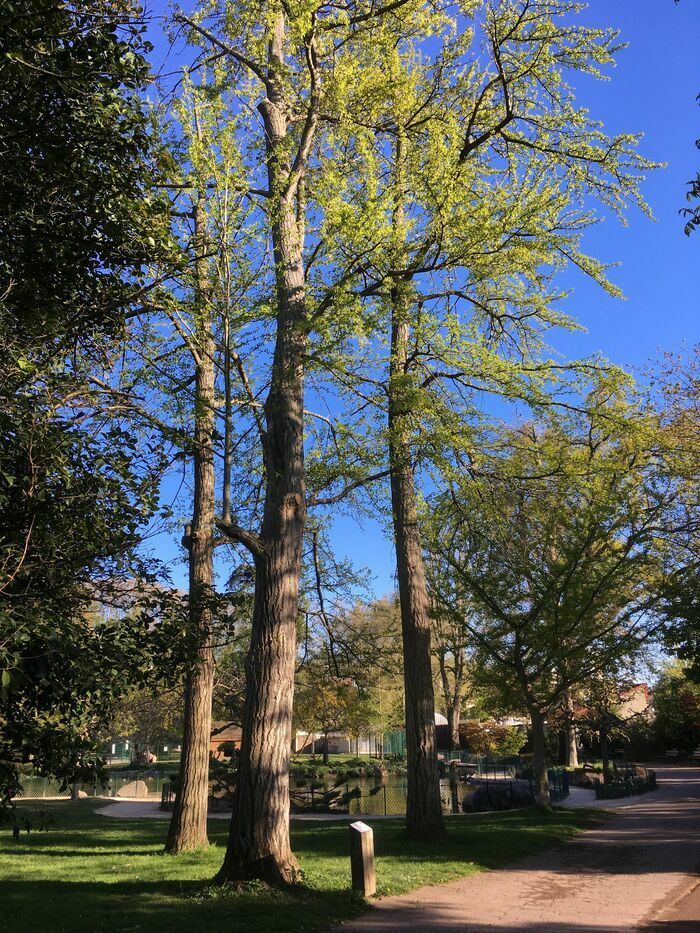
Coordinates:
(572, 747)
(604, 752)
(423, 804)
(188, 826)
(539, 757)
(447, 696)
(75, 792)
(562, 749)
(258, 845)
(455, 715)
(325, 749)
(572, 739)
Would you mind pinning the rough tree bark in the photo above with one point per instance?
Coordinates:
(188, 826)
(423, 805)
(258, 845)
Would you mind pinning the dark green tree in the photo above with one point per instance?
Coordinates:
(77, 217)
(78, 230)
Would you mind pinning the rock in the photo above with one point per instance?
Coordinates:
(81, 794)
(380, 773)
(521, 796)
(591, 779)
(497, 796)
(133, 789)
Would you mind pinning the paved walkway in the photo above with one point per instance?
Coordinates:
(130, 808)
(636, 872)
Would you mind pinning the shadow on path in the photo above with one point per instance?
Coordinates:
(615, 877)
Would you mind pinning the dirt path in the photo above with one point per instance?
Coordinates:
(637, 871)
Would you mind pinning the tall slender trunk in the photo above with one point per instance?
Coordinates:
(454, 717)
(258, 845)
(539, 757)
(188, 826)
(562, 747)
(456, 711)
(571, 737)
(605, 752)
(423, 803)
(452, 694)
(447, 694)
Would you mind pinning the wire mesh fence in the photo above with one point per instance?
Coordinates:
(120, 784)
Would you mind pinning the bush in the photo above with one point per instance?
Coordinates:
(628, 782)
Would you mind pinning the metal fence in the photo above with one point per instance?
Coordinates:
(625, 781)
(36, 787)
(558, 784)
(501, 784)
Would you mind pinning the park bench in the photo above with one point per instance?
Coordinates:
(671, 754)
(696, 754)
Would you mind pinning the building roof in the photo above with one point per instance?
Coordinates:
(226, 732)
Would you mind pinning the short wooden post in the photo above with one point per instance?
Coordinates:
(454, 793)
(364, 876)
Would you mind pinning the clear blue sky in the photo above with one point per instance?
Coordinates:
(652, 90)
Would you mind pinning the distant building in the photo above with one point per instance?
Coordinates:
(225, 738)
(635, 701)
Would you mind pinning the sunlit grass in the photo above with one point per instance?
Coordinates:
(90, 873)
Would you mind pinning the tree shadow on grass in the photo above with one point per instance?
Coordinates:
(81, 851)
(75, 906)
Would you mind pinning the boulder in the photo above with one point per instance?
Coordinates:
(497, 796)
(133, 789)
(591, 779)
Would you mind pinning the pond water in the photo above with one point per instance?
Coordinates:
(369, 796)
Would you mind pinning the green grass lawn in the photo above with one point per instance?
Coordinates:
(90, 873)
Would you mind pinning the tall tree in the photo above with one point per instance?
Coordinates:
(475, 161)
(188, 826)
(179, 375)
(285, 67)
(507, 137)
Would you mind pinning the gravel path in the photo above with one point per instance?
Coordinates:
(637, 871)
